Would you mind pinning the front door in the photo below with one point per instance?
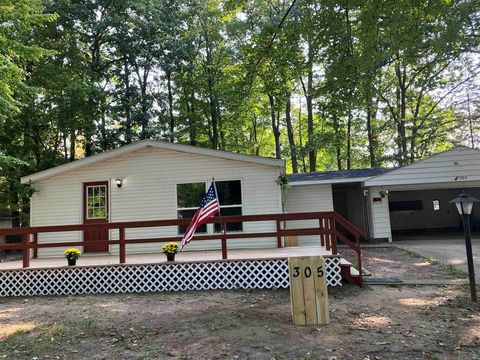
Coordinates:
(95, 195)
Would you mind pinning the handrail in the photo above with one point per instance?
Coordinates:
(358, 234)
(326, 230)
(349, 226)
(167, 222)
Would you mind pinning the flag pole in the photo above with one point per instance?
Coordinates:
(218, 202)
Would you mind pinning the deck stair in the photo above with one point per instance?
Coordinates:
(349, 272)
(350, 236)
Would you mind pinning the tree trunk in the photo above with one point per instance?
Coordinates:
(470, 122)
(213, 114)
(291, 138)
(402, 109)
(312, 155)
(338, 150)
(65, 147)
(126, 104)
(300, 137)
(275, 127)
(372, 142)
(88, 143)
(73, 143)
(144, 106)
(190, 106)
(170, 106)
(256, 148)
(349, 140)
(103, 130)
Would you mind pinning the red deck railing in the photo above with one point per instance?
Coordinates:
(331, 227)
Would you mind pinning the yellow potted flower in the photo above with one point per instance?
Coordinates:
(170, 249)
(72, 256)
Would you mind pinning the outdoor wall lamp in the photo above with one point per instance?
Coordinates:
(464, 203)
(119, 183)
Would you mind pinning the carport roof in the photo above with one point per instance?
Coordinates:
(337, 176)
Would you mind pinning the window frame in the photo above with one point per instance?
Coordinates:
(231, 206)
(93, 184)
(188, 208)
(210, 227)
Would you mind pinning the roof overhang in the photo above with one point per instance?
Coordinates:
(431, 185)
(328, 182)
(154, 144)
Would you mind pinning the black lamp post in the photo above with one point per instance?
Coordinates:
(464, 203)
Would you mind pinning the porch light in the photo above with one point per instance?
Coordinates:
(119, 183)
(464, 203)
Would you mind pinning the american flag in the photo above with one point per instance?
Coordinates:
(208, 207)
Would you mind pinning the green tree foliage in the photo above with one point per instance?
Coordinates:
(325, 84)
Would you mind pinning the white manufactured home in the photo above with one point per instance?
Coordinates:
(152, 180)
(385, 203)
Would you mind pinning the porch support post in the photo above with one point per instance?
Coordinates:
(35, 249)
(224, 241)
(122, 252)
(279, 238)
(322, 234)
(26, 250)
(334, 237)
(329, 234)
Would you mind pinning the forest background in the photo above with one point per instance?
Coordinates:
(324, 84)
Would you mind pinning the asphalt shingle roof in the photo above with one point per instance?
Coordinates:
(338, 174)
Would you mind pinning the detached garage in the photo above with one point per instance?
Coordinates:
(415, 199)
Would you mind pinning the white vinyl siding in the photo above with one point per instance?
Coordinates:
(149, 192)
(460, 165)
(308, 198)
(380, 215)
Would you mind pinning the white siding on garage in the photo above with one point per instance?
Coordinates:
(308, 198)
(149, 193)
(380, 215)
(459, 165)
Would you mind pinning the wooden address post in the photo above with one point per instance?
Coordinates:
(308, 290)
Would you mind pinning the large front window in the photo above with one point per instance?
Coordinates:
(190, 195)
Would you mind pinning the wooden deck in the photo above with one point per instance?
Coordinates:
(158, 258)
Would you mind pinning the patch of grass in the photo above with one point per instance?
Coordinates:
(432, 261)
(448, 268)
(48, 338)
(453, 271)
(256, 344)
(413, 254)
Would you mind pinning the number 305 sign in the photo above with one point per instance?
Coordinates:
(308, 290)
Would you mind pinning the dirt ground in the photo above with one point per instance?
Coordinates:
(393, 262)
(375, 322)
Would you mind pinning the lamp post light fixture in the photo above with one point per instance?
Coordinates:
(464, 203)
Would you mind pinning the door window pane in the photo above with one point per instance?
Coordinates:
(97, 202)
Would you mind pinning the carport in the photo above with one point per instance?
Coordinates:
(415, 199)
(428, 211)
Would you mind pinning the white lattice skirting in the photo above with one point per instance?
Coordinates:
(229, 274)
